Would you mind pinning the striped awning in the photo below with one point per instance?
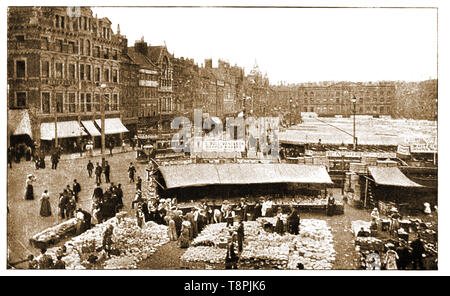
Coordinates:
(217, 174)
(90, 127)
(65, 129)
(112, 126)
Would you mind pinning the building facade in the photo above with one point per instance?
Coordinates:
(58, 61)
(329, 99)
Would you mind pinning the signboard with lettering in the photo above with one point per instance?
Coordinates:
(355, 154)
(423, 148)
(403, 149)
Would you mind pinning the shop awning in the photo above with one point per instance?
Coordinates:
(112, 126)
(229, 174)
(19, 123)
(90, 127)
(391, 176)
(66, 129)
(216, 120)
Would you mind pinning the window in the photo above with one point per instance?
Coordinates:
(115, 55)
(106, 102)
(361, 100)
(59, 102)
(115, 103)
(72, 47)
(62, 22)
(106, 55)
(381, 100)
(20, 69)
(381, 109)
(71, 71)
(45, 69)
(374, 108)
(97, 51)
(97, 102)
(21, 99)
(59, 70)
(45, 102)
(82, 103)
(81, 72)
(88, 47)
(388, 109)
(114, 75)
(106, 76)
(88, 103)
(361, 110)
(337, 100)
(88, 72)
(57, 21)
(85, 22)
(44, 43)
(97, 74)
(71, 103)
(82, 46)
(59, 45)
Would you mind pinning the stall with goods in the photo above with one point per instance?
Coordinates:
(130, 245)
(312, 247)
(54, 234)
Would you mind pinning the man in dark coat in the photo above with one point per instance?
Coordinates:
(178, 221)
(119, 193)
(90, 168)
(131, 172)
(139, 183)
(98, 173)
(418, 250)
(63, 201)
(293, 222)
(111, 146)
(107, 171)
(404, 256)
(55, 159)
(240, 235)
(98, 193)
(76, 188)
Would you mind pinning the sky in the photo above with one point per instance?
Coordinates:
(294, 44)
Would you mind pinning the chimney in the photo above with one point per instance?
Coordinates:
(124, 45)
(208, 63)
(141, 46)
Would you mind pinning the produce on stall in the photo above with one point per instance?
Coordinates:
(131, 244)
(54, 234)
(313, 246)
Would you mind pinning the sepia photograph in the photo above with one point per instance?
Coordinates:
(221, 137)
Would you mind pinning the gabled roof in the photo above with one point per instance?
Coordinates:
(155, 52)
(139, 58)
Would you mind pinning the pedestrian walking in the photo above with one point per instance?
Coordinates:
(111, 146)
(139, 183)
(54, 159)
(62, 204)
(107, 172)
(45, 210)
(131, 172)
(76, 188)
(90, 168)
(98, 174)
(240, 236)
(29, 192)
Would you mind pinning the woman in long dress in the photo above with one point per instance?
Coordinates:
(46, 210)
(183, 240)
(29, 193)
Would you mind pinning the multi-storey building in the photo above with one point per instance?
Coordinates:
(63, 68)
(329, 99)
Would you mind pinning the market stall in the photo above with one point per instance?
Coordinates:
(313, 246)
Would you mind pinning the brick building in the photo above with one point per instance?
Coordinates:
(329, 98)
(57, 61)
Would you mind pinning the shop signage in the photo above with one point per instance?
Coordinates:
(219, 146)
(403, 150)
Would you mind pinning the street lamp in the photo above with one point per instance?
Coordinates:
(355, 140)
(102, 110)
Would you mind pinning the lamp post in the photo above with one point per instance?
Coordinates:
(355, 140)
(290, 111)
(102, 110)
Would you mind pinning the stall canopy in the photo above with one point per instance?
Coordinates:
(229, 174)
(112, 126)
(391, 176)
(66, 129)
(90, 127)
(19, 123)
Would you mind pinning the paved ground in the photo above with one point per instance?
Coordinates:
(24, 220)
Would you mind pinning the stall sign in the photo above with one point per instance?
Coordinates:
(221, 146)
(403, 150)
(355, 154)
(423, 148)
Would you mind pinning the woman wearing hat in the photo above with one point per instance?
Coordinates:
(183, 240)
(29, 192)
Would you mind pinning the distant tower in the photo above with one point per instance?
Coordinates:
(118, 29)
